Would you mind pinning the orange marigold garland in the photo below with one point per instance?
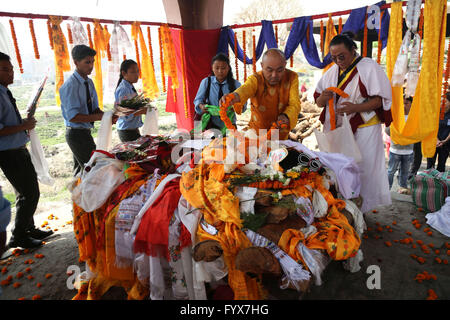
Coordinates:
(364, 53)
(445, 84)
(161, 59)
(91, 44)
(254, 51)
(33, 37)
(292, 60)
(420, 29)
(340, 25)
(150, 48)
(16, 45)
(69, 34)
(245, 55)
(183, 74)
(49, 29)
(380, 44)
(331, 105)
(235, 56)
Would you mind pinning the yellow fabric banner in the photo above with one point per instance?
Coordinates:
(62, 58)
(101, 40)
(423, 119)
(149, 83)
(329, 35)
(170, 66)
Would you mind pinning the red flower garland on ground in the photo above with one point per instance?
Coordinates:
(33, 37)
(16, 45)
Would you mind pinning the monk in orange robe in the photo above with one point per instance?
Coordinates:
(273, 93)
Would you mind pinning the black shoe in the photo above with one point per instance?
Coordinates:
(39, 234)
(25, 242)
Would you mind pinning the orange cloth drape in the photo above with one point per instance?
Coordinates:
(149, 83)
(62, 58)
(329, 35)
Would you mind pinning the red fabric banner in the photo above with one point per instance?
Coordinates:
(200, 46)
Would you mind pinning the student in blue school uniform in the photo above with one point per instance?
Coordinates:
(128, 126)
(213, 87)
(15, 162)
(79, 106)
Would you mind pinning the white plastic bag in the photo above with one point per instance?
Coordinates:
(150, 122)
(104, 136)
(38, 159)
(340, 140)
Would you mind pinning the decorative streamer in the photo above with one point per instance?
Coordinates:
(138, 60)
(235, 56)
(254, 51)
(150, 48)
(445, 84)
(321, 36)
(33, 37)
(340, 25)
(61, 53)
(245, 55)
(108, 48)
(16, 45)
(161, 60)
(69, 34)
(183, 74)
(276, 34)
(50, 37)
(380, 45)
(364, 53)
(91, 44)
(170, 57)
(147, 73)
(292, 60)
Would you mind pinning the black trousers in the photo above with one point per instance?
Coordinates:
(19, 170)
(128, 135)
(441, 154)
(82, 144)
(415, 165)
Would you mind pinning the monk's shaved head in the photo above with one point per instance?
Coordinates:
(273, 65)
(274, 53)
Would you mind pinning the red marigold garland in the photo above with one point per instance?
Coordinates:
(254, 51)
(245, 55)
(33, 37)
(420, 31)
(321, 35)
(340, 25)
(276, 34)
(69, 34)
(235, 56)
(292, 60)
(91, 44)
(161, 60)
(365, 38)
(445, 84)
(16, 45)
(49, 29)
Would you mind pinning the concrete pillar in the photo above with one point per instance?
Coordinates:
(195, 14)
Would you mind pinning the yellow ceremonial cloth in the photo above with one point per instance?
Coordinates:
(101, 40)
(268, 102)
(149, 83)
(203, 189)
(329, 35)
(62, 58)
(423, 119)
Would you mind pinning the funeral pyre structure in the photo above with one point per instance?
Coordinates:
(166, 219)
